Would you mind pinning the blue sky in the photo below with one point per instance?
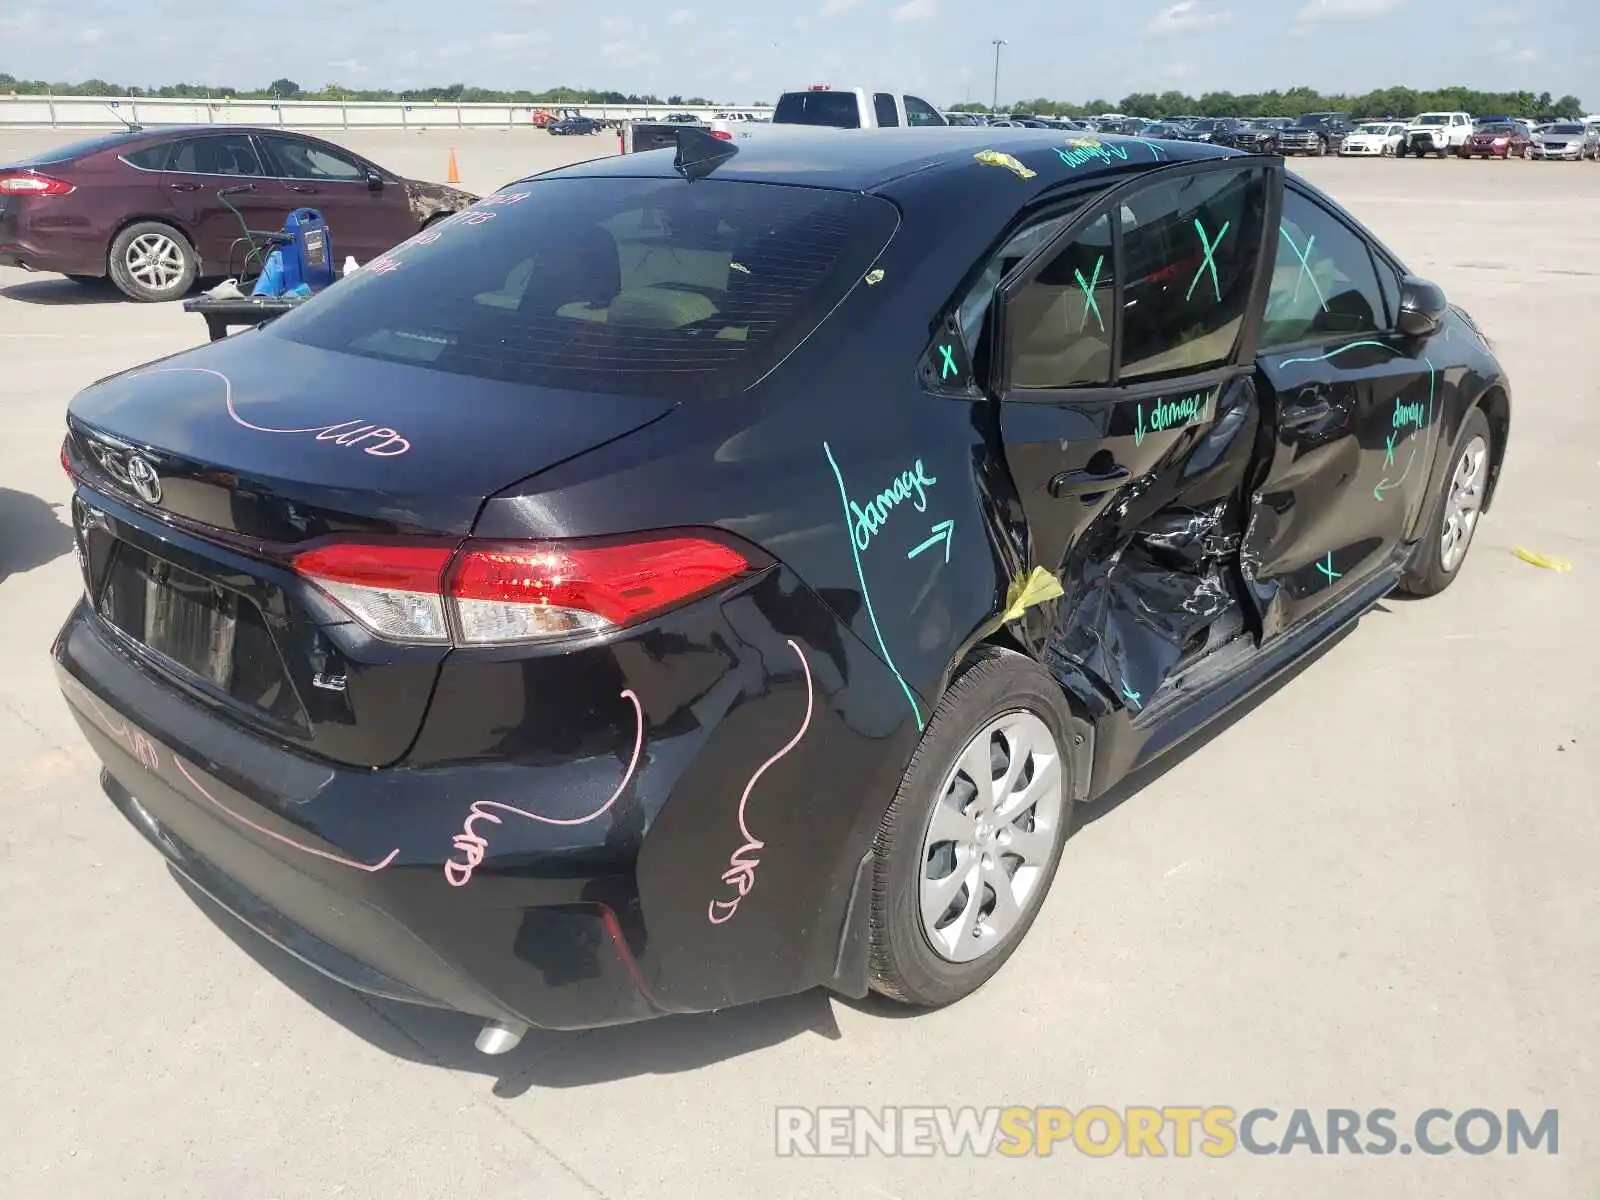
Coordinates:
(744, 52)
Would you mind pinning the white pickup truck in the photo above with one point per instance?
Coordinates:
(817, 107)
(1439, 133)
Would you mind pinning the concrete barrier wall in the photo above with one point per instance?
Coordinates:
(93, 112)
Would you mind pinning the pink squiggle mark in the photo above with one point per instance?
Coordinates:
(278, 837)
(137, 741)
(473, 845)
(324, 432)
(741, 872)
(144, 749)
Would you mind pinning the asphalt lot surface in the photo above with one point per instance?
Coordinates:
(1376, 889)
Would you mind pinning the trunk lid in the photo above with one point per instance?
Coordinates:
(279, 441)
(200, 473)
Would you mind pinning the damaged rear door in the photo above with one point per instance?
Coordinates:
(1129, 416)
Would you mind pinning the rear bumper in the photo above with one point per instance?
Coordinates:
(69, 249)
(293, 849)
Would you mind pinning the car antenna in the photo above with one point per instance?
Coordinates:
(133, 126)
(699, 153)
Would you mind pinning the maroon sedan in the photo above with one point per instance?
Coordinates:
(1499, 140)
(143, 206)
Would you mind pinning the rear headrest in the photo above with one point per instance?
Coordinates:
(582, 267)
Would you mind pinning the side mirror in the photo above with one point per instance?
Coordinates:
(1422, 307)
(374, 180)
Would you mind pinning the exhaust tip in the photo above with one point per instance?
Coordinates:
(500, 1037)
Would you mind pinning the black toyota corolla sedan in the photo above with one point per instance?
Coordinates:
(704, 575)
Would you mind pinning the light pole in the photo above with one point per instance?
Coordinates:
(995, 100)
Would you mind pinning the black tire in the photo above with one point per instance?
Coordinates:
(157, 232)
(1427, 574)
(903, 963)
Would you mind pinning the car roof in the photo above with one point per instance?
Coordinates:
(156, 132)
(940, 158)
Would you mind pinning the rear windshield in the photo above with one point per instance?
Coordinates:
(1505, 127)
(838, 110)
(649, 286)
(72, 150)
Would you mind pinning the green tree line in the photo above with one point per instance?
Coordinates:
(288, 89)
(1385, 102)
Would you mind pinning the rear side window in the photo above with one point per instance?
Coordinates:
(151, 158)
(218, 154)
(920, 112)
(1189, 251)
(835, 109)
(650, 286)
(1158, 288)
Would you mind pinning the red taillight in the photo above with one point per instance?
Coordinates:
(502, 592)
(722, 135)
(395, 591)
(33, 184)
(66, 456)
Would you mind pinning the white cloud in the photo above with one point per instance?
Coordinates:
(504, 41)
(1317, 11)
(1498, 16)
(681, 16)
(1505, 48)
(1186, 16)
(349, 66)
(917, 10)
(835, 8)
(625, 52)
(1177, 71)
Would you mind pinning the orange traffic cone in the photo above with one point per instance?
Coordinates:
(453, 175)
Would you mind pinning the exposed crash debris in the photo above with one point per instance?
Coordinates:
(1160, 603)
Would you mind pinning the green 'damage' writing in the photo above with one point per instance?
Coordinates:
(866, 520)
(1168, 414)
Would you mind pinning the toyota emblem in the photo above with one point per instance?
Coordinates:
(142, 476)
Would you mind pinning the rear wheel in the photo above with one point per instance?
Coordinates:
(967, 849)
(151, 261)
(1454, 519)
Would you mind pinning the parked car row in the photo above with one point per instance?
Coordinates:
(1439, 134)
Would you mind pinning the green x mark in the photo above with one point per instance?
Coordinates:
(1305, 267)
(1327, 569)
(948, 368)
(1388, 457)
(1209, 261)
(1091, 304)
